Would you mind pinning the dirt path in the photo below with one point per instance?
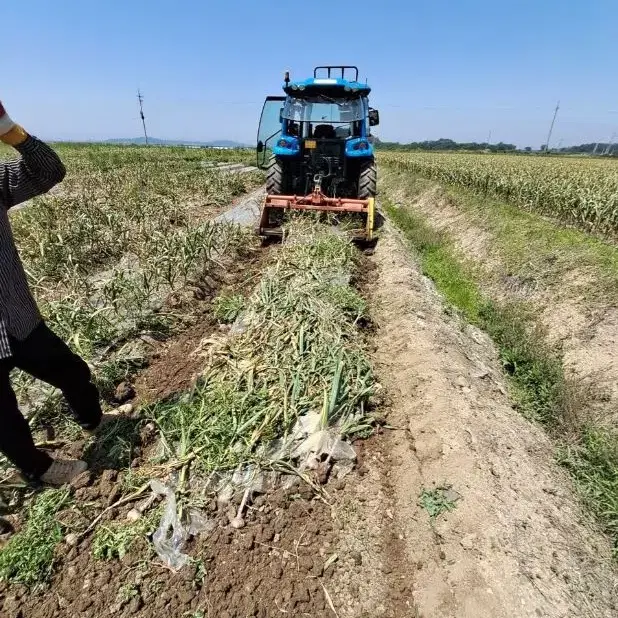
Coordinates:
(517, 542)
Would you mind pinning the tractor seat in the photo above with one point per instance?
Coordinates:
(324, 131)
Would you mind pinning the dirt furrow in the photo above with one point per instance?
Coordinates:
(516, 542)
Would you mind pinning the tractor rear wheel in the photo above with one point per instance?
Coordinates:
(275, 181)
(367, 179)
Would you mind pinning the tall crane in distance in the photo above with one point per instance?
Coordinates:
(140, 98)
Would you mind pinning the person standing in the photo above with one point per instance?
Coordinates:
(26, 342)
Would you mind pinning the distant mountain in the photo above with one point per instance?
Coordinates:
(219, 143)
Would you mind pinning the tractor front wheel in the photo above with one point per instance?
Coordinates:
(275, 183)
(367, 180)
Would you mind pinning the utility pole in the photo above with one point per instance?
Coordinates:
(140, 98)
(551, 127)
(489, 138)
(610, 145)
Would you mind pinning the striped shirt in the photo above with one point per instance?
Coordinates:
(35, 172)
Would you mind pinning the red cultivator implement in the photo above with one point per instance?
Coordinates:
(270, 224)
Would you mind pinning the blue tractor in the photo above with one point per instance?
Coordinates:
(316, 145)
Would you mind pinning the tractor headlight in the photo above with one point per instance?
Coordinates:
(358, 147)
(288, 143)
(301, 87)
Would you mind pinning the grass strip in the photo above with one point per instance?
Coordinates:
(593, 463)
(536, 372)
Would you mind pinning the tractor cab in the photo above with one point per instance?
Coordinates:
(317, 137)
(328, 106)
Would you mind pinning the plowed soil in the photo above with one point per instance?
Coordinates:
(515, 544)
(274, 566)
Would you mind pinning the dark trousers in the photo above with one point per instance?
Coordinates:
(46, 357)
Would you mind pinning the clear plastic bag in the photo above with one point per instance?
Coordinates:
(169, 546)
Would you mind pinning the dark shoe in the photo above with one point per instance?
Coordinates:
(63, 471)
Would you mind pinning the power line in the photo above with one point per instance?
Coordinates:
(551, 127)
(140, 98)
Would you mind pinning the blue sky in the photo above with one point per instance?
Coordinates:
(457, 69)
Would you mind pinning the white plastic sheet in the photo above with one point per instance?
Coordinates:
(171, 536)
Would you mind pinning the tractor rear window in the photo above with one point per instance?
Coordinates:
(323, 109)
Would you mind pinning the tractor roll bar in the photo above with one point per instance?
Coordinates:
(343, 68)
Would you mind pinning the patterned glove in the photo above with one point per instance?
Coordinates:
(10, 133)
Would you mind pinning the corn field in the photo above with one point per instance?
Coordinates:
(583, 192)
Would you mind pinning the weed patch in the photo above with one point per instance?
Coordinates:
(116, 539)
(439, 500)
(28, 557)
(536, 370)
(593, 463)
(438, 264)
(227, 307)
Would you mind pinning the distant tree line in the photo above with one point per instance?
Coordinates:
(449, 144)
(444, 144)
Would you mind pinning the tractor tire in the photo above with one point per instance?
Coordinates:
(275, 181)
(367, 180)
